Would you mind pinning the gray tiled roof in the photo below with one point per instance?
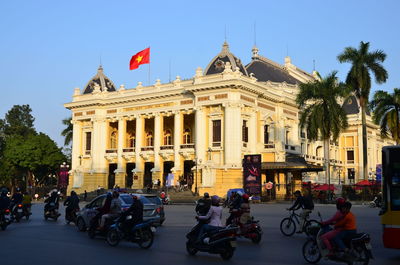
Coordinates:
(101, 80)
(265, 71)
(351, 106)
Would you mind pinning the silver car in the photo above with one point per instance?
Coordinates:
(151, 210)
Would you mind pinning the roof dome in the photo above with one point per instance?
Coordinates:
(351, 106)
(266, 70)
(99, 82)
(217, 64)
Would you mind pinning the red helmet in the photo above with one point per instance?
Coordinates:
(245, 196)
(340, 201)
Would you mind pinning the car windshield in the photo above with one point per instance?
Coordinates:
(154, 199)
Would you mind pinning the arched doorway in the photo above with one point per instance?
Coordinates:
(111, 175)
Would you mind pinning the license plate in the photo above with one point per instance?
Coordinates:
(20, 210)
(233, 244)
(368, 246)
(153, 229)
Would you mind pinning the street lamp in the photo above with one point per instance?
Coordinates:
(196, 161)
(339, 171)
(63, 178)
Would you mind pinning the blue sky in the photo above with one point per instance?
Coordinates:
(47, 48)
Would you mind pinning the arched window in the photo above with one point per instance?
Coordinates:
(167, 137)
(187, 136)
(149, 138)
(113, 140)
(130, 140)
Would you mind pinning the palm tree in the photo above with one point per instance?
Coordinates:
(386, 108)
(359, 78)
(321, 114)
(67, 132)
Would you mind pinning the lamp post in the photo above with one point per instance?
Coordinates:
(63, 178)
(339, 171)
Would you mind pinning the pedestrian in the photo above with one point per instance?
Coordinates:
(85, 195)
(158, 183)
(98, 190)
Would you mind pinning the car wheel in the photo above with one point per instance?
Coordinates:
(80, 224)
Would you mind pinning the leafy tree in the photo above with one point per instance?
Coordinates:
(321, 114)
(364, 63)
(18, 121)
(386, 108)
(67, 132)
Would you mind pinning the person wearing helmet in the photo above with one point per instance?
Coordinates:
(53, 198)
(346, 226)
(203, 205)
(16, 198)
(234, 207)
(115, 210)
(245, 209)
(306, 204)
(214, 216)
(328, 236)
(72, 203)
(136, 211)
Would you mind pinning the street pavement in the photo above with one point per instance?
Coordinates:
(47, 242)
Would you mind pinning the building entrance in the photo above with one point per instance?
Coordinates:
(167, 169)
(187, 172)
(147, 178)
(129, 175)
(111, 175)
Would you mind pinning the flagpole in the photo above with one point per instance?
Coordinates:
(149, 71)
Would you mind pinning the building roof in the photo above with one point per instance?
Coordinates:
(99, 82)
(217, 64)
(351, 106)
(292, 163)
(267, 70)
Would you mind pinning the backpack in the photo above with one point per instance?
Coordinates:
(308, 202)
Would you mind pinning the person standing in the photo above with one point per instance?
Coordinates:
(85, 196)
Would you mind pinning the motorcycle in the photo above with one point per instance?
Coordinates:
(71, 215)
(375, 203)
(4, 219)
(94, 224)
(17, 212)
(221, 241)
(52, 212)
(359, 246)
(251, 229)
(142, 234)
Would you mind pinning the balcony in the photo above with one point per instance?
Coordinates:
(187, 146)
(147, 148)
(290, 147)
(166, 147)
(269, 145)
(111, 151)
(128, 150)
(244, 144)
(88, 152)
(216, 144)
(350, 161)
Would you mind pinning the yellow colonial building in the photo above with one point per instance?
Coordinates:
(199, 129)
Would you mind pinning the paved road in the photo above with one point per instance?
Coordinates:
(47, 242)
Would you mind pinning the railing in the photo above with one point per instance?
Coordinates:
(269, 145)
(216, 144)
(166, 147)
(244, 144)
(350, 161)
(88, 152)
(290, 147)
(111, 151)
(187, 146)
(147, 148)
(128, 150)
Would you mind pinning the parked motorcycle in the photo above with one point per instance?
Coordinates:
(4, 219)
(251, 230)
(221, 241)
(142, 234)
(359, 246)
(52, 212)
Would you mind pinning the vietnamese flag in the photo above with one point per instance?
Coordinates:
(139, 58)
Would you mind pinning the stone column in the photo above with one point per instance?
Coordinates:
(199, 134)
(177, 140)
(157, 142)
(76, 155)
(232, 135)
(138, 183)
(253, 133)
(120, 174)
(100, 140)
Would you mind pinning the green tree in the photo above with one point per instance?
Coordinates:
(386, 113)
(67, 132)
(320, 112)
(364, 63)
(18, 121)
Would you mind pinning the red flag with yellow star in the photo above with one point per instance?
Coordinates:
(139, 58)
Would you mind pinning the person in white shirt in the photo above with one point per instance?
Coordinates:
(214, 216)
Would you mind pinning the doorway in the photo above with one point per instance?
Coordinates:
(168, 165)
(111, 175)
(129, 175)
(147, 178)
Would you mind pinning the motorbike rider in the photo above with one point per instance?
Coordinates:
(27, 202)
(72, 203)
(214, 215)
(16, 198)
(347, 226)
(4, 200)
(245, 209)
(328, 236)
(203, 204)
(307, 205)
(136, 211)
(53, 198)
(115, 210)
(234, 207)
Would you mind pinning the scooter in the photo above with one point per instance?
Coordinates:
(251, 230)
(17, 212)
(94, 224)
(4, 219)
(70, 217)
(359, 245)
(221, 241)
(52, 212)
(375, 203)
(142, 234)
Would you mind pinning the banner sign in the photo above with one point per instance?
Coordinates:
(252, 174)
(378, 172)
